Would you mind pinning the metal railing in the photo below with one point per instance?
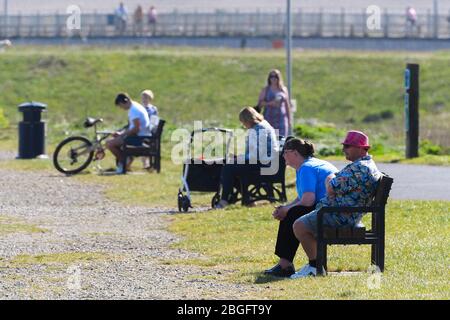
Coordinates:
(228, 24)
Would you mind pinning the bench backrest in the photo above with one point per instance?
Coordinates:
(382, 191)
(160, 127)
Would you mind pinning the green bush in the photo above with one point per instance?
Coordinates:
(379, 116)
(377, 149)
(325, 152)
(304, 131)
(427, 147)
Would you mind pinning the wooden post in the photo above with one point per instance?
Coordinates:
(412, 110)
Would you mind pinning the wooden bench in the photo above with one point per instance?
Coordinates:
(357, 235)
(151, 147)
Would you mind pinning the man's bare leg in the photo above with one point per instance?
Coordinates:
(114, 145)
(306, 238)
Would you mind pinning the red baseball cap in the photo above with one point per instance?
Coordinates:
(356, 139)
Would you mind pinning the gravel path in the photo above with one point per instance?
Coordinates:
(78, 218)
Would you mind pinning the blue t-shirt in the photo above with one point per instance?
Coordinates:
(311, 177)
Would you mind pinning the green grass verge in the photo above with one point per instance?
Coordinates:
(64, 258)
(242, 240)
(9, 225)
(350, 89)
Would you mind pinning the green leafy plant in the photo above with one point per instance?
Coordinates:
(427, 147)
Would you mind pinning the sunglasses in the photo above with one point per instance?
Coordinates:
(346, 146)
(273, 76)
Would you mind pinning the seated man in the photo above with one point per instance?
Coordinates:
(353, 186)
(139, 125)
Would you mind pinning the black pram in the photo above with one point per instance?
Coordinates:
(202, 174)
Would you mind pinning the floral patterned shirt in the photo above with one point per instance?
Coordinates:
(354, 186)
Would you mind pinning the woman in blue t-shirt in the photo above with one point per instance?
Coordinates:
(311, 174)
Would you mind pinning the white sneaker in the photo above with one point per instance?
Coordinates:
(306, 271)
(146, 162)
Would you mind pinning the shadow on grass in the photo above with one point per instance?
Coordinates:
(261, 278)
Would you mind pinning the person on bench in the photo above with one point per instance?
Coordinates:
(147, 97)
(256, 154)
(311, 174)
(139, 125)
(353, 186)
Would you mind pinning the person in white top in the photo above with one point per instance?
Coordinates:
(138, 125)
(4, 44)
(147, 97)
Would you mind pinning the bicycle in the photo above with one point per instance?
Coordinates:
(74, 154)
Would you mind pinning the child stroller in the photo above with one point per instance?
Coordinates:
(203, 174)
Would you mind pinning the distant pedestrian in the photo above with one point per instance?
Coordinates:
(274, 103)
(121, 17)
(411, 20)
(138, 21)
(152, 19)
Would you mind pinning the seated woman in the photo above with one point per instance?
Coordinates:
(261, 145)
(311, 174)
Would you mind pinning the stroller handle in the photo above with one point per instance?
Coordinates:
(227, 131)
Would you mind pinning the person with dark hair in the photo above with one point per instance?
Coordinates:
(311, 174)
(138, 125)
(138, 21)
(353, 186)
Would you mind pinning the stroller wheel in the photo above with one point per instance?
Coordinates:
(185, 203)
(180, 201)
(215, 200)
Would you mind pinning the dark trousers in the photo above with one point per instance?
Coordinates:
(287, 243)
(230, 172)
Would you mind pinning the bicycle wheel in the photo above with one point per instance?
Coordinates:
(73, 155)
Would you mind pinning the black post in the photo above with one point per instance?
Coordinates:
(412, 110)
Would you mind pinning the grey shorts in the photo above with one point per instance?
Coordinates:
(332, 220)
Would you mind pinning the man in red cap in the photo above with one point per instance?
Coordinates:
(353, 186)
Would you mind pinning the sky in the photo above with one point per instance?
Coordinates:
(105, 6)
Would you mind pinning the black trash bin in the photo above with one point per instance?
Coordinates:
(32, 131)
